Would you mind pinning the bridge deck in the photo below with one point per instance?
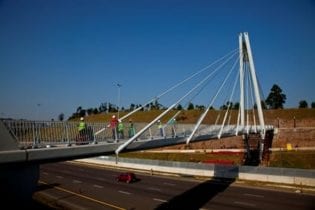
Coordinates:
(63, 141)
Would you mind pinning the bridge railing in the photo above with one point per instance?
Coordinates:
(33, 134)
(36, 133)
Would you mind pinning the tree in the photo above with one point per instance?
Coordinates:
(132, 107)
(179, 107)
(89, 111)
(236, 106)
(263, 105)
(103, 107)
(190, 106)
(61, 116)
(276, 98)
(82, 113)
(303, 104)
(79, 109)
(223, 107)
(200, 107)
(313, 105)
(95, 111)
(226, 106)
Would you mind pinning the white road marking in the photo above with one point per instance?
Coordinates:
(244, 203)
(59, 177)
(169, 184)
(154, 189)
(98, 186)
(76, 181)
(124, 192)
(160, 200)
(253, 195)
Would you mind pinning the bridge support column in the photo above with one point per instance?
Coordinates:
(246, 144)
(18, 183)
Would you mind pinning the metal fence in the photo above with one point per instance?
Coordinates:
(56, 133)
(33, 134)
(36, 133)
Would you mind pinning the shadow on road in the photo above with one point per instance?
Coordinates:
(44, 186)
(198, 196)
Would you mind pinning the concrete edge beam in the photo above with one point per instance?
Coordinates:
(13, 156)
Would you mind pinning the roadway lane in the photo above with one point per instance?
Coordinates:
(74, 186)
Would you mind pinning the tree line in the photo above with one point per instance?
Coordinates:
(275, 100)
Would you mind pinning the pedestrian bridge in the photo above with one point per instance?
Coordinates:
(23, 140)
(24, 145)
(45, 141)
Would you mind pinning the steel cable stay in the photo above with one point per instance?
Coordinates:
(231, 53)
(225, 101)
(218, 119)
(125, 144)
(228, 87)
(206, 82)
(208, 77)
(197, 92)
(208, 108)
(186, 104)
(229, 103)
(227, 56)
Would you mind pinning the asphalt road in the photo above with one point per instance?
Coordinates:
(68, 185)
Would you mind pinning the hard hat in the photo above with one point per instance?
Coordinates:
(113, 116)
(81, 118)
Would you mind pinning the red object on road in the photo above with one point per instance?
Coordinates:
(127, 177)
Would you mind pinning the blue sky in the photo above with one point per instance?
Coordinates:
(63, 54)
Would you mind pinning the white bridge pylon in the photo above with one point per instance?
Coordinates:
(246, 57)
(249, 100)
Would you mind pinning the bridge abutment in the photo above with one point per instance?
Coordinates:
(18, 181)
(253, 143)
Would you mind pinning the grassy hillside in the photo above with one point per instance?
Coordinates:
(192, 116)
(281, 159)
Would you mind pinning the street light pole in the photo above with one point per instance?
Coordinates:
(119, 86)
(38, 111)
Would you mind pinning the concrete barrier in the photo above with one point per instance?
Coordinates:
(300, 177)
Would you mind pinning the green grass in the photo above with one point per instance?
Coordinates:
(191, 116)
(186, 157)
(282, 159)
(293, 159)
